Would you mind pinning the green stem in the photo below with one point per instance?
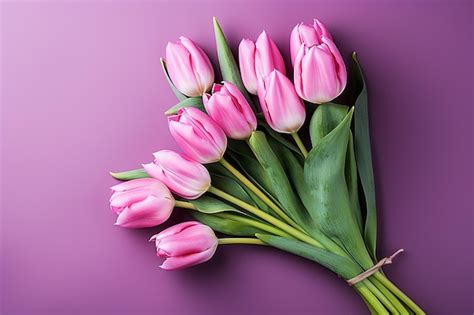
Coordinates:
(392, 298)
(260, 194)
(240, 240)
(300, 144)
(382, 298)
(265, 216)
(184, 205)
(402, 296)
(377, 307)
(369, 306)
(259, 225)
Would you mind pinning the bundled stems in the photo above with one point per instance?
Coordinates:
(258, 192)
(392, 298)
(259, 225)
(296, 233)
(381, 295)
(398, 293)
(370, 298)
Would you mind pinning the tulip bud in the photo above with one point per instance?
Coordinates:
(307, 34)
(185, 244)
(258, 60)
(319, 70)
(198, 135)
(189, 67)
(183, 176)
(230, 110)
(141, 203)
(283, 109)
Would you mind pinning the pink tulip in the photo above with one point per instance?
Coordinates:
(307, 34)
(141, 203)
(319, 70)
(283, 109)
(183, 176)
(258, 60)
(185, 244)
(189, 67)
(230, 110)
(198, 135)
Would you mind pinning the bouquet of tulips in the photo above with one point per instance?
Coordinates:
(245, 172)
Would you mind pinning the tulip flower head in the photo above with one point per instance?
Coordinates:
(185, 244)
(230, 110)
(283, 109)
(307, 34)
(141, 203)
(258, 59)
(319, 70)
(183, 176)
(189, 67)
(198, 135)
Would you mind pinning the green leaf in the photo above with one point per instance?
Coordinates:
(188, 102)
(245, 159)
(274, 170)
(293, 166)
(294, 169)
(363, 155)
(129, 175)
(279, 137)
(329, 202)
(178, 94)
(325, 118)
(352, 183)
(208, 204)
(342, 266)
(226, 226)
(233, 184)
(229, 69)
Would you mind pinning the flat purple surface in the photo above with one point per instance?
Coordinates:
(83, 93)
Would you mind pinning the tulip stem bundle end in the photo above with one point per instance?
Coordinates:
(300, 144)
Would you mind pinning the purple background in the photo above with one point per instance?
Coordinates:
(83, 93)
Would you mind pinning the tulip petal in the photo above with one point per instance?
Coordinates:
(152, 211)
(188, 241)
(247, 65)
(175, 229)
(281, 106)
(339, 62)
(180, 69)
(319, 75)
(267, 57)
(321, 29)
(132, 184)
(123, 199)
(176, 263)
(202, 67)
(183, 176)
